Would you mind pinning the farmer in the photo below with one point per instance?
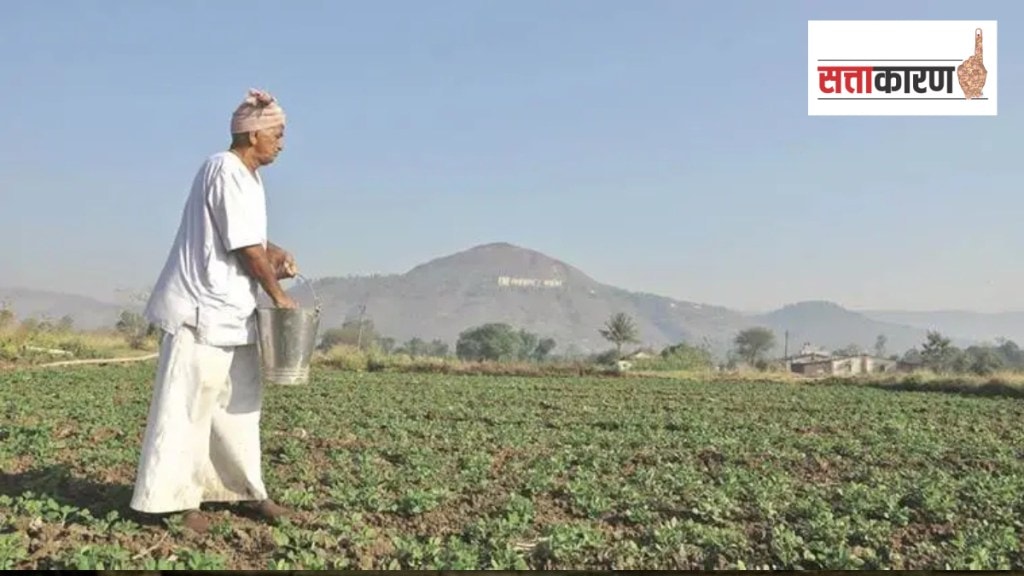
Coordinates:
(202, 439)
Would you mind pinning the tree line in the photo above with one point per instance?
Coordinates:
(937, 353)
(497, 341)
(502, 342)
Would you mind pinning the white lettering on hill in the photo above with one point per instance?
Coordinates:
(528, 282)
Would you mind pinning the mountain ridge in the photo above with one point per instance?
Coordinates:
(88, 313)
(503, 282)
(564, 292)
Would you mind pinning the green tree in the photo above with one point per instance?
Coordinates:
(135, 328)
(543, 349)
(497, 341)
(493, 341)
(913, 356)
(437, 348)
(7, 318)
(938, 353)
(880, 342)
(685, 356)
(620, 329)
(1011, 354)
(980, 360)
(387, 344)
(65, 324)
(527, 345)
(353, 332)
(413, 347)
(753, 343)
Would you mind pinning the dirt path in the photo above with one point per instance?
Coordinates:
(61, 363)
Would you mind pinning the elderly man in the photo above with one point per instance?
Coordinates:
(202, 439)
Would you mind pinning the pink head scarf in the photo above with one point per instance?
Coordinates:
(258, 111)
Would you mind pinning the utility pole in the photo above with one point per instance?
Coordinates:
(359, 336)
(786, 348)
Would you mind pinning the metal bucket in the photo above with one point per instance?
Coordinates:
(287, 338)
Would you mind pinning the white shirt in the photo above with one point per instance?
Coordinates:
(203, 284)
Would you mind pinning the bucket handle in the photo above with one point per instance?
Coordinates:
(316, 299)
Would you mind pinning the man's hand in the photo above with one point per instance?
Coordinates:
(287, 268)
(285, 301)
(256, 261)
(282, 261)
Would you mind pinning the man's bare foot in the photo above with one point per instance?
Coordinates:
(267, 510)
(196, 521)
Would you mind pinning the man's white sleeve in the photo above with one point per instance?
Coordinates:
(233, 212)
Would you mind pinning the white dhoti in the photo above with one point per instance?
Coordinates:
(202, 440)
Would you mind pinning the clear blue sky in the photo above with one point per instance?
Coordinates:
(661, 146)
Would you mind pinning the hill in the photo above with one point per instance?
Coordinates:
(87, 313)
(504, 283)
(971, 325)
(500, 282)
(831, 326)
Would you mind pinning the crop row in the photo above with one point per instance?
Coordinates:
(434, 471)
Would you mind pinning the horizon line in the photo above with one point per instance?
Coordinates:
(742, 310)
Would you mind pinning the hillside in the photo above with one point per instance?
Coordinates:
(501, 282)
(504, 283)
(88, 313)
(973, 325)
(440, 298)
(831, 326)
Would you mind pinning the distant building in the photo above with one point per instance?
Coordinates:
(844, 365)
(807, 354)
(805, 358)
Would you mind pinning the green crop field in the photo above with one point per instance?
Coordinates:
(457, 472)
